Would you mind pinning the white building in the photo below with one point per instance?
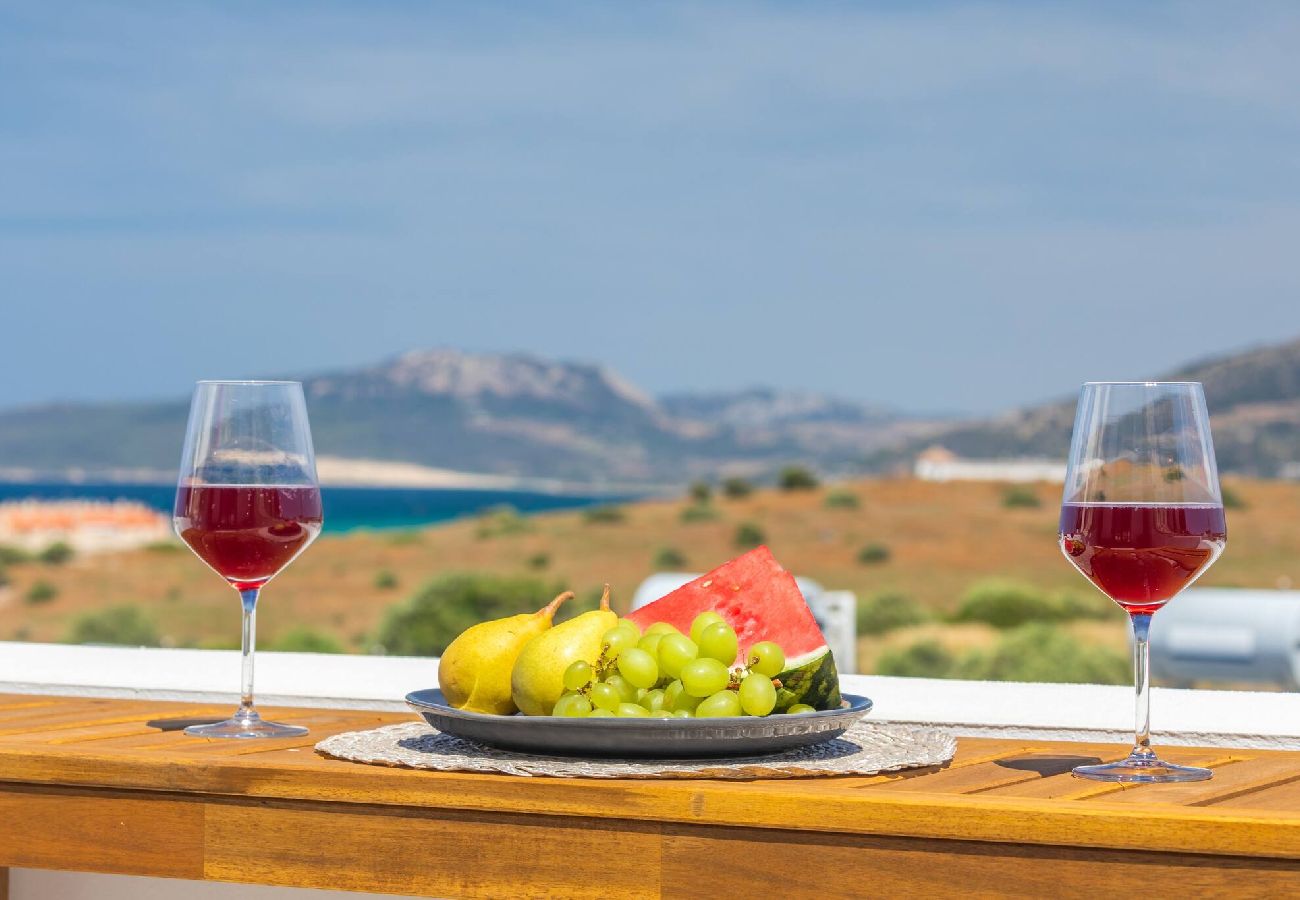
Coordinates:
(941, 464)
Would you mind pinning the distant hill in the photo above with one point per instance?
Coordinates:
(512, 415)
(1253, 398)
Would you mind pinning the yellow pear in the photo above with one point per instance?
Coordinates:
(474, 672)
(538, 677)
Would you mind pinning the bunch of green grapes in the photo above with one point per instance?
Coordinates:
(666, 674)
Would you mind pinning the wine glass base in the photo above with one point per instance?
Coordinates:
(246, 725)
(1143, 769)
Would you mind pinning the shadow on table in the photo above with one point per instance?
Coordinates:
(179, 724)
(1047, 766)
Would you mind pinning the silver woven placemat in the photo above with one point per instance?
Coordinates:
(865, 749)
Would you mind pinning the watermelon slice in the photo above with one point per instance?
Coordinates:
(761, 601)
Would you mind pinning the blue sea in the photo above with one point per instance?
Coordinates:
(346, 508)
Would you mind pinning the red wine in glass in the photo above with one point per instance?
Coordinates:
(1142, 555)
(247, 533)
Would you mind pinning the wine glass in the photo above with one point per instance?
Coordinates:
(1142, 518)
(247, 503)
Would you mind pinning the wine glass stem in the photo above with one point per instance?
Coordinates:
(248, 598)
(1142, 677)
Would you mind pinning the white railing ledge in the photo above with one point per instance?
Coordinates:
(1068, 712)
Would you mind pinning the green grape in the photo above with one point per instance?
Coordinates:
(660, 714)
(686, 703)
(599, 713)
(571, 706)
(718, 641)
(577, 675)
(723, 703)
(671, 693)
(618, 639)
(703, 621)
(638, 667)
(766, 658)
(704, 677)
(675, 651)
(605, 696)
(626, 690)
(631, 711)
(661, 628)
(683, 714)
(630, 626)
(650, 643)
(757, 696)
(800, 708)
(653, 700)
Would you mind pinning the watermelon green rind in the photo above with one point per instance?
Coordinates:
(815, 682)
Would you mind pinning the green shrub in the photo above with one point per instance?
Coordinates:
(306, 640)
(1005, 604)
(1020, 496)
(404, 537)
(698, 513)
(923, 659)
(500, 521)
(883, 613)
(1043, 652)
(749, 536)
(56, 554)
(125, 625)
(603, 515)
(841, 499)
(447, 605)
(164, 547)
(1089, 606)
(12, 556)
(737, 488)
(385, 580)
(40, 593)
(700, 492)
(797, 478)
(1232, 499)
(1008, 604)
(874, 554)
(5, 580)
(668, 559)
(538, 561)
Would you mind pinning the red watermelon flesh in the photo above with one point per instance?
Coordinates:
(757, 597)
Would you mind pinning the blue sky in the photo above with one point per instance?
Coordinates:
(933, 206)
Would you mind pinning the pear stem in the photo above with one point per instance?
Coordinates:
(548, 611)
(604, 598)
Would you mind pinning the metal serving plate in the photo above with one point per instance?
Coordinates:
(645, 738)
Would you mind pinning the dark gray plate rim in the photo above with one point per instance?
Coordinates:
(431, 700)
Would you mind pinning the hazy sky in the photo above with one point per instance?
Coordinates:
(934, 206)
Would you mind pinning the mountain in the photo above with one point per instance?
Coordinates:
(761, 407)
(1253, 398)
(505, 415)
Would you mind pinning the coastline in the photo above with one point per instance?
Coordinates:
(345, 472)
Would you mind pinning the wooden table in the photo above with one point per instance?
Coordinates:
(101, 785)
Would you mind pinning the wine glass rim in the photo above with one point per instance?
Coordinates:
(250, 381)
